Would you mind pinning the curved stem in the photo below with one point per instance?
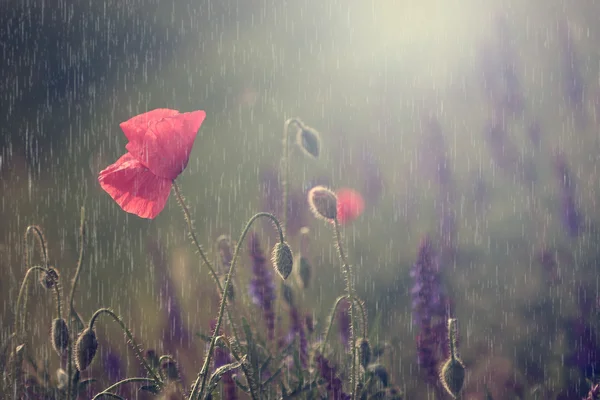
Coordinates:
(130, 338)
(120, 383)
(350, 291)
(20, 313)
(204, 371)
(71, 296)
(363, 314)
(39, 236)
(286, 165)
(331, 318)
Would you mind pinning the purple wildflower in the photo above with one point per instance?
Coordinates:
(572, 80)
(329, 374)
(343, 322)
(429, 310)
(571, 217)
(262, 288)
(297, 328)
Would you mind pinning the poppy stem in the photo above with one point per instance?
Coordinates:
(130, 340)
(350, 293)
(286, 165)
(71, 297)
(204, 371)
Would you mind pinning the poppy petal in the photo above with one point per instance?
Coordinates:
(134, 187)
(350, 205)
(135, 128)
(168, 143)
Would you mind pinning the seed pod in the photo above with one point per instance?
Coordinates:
(364, 352)
(282, 259)
(309, 141)
(322, 203)
(85, 349)
(50, 278)
(60, 335)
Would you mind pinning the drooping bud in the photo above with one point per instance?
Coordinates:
(309, 141)
(364, 352)
(152, 358)
(282, 259)
(322, 202)
(170, 370)
(85, 349)
(60, 335)
(49, 279)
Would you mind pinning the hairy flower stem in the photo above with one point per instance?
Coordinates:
(71, 310)
(188, 220)
(350, 292)
(106, 391)
(200, 382)
(131, 340)
(286, 165)
(41, 240)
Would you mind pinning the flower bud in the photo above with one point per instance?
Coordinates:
(364, 352)
(85, 349)
(380, 372)
(309, 141)
(282, 259)
(60, 335)
(452, 376)
(322, 202)
(49, 279)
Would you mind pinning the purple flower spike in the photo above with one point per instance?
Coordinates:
(332, 381)
(429, 310)
(297, 328)
(262, 288)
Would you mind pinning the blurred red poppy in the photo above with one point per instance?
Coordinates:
(160, 143)
(350, 205)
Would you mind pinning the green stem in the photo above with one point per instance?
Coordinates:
(350, 292)
(201, 379)
(20, 312)
(331, 319)
(286, 165)
(120, 383)
(130, 338)
(452, 337)
(71, 297)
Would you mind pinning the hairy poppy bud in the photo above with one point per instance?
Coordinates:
(282, 259)
(49, 279)
(60, 335)
(322, 202)
(309, 140)
(453, 376)
(364, 352)
(170, 370)
(85, 349)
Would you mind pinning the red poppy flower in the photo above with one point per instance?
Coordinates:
(160, 143)
(350, 205)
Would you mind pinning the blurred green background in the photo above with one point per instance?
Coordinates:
(365, 74)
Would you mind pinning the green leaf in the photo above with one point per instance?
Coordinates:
(204, 337)
(154, 389)
(84, 384)
(243, 387)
